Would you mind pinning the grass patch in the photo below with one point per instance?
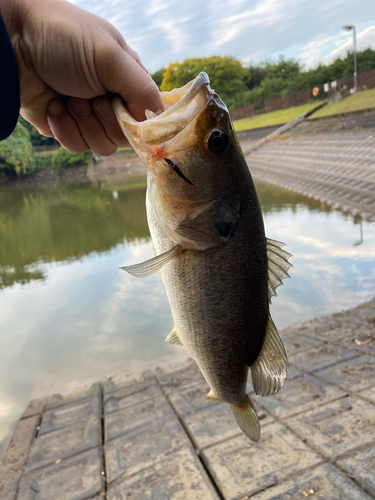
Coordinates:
(273, 117)
(361, 100)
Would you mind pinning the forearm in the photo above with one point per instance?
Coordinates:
(9, 82)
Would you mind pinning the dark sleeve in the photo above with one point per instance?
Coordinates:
(9, 85)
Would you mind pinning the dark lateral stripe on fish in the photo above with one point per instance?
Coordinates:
(177, 170)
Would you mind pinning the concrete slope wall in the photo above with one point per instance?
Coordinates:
(335, 167)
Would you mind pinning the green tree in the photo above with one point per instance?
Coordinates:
(36, 138)
(158, 76)
(62, 158)
(16, 152)
(226, 74)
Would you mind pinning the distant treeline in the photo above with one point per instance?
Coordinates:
(239, 85)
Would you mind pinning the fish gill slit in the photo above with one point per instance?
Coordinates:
(177, 170)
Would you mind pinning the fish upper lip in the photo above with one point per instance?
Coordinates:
(201, 80)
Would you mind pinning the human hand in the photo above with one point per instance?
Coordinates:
(70, 62)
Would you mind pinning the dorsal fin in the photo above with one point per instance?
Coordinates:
(278, 266)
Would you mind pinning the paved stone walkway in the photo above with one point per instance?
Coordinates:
(152, 436)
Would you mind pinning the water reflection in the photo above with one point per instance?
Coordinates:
(67, 313)
(67, 223)
(331, 270)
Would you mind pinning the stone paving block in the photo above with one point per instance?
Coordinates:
(35, 407)
(306, 329)
(294, 373)
(131, 417)
(9, 481)
(297, 343)
(187, 399)
(299, 395)
(70, 414)
(178, 477)
(77, 478)
(362, 341)
(15, 457)
(216, 423)
(125, 397)
(242, 468)
(65, 442)
(361, 468)
(324, 483)
(20, 444)
(338, 428)
(178, 373)
(56, 400)
(143, 447)
(354, 375)
(337, 332)
(131, 381)
(368, 394)
(320, 357)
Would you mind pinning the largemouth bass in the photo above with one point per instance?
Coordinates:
(219, 269)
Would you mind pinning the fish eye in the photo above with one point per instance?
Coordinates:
(217, 141)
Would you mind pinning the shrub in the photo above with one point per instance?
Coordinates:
(16, 152)
(62, 158)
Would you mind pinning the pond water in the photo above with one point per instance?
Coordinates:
(68, 314)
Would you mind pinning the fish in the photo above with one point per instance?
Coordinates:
(219, 269)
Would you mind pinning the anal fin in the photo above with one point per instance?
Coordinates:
(247, 419)
(270, 369)
(173, 337)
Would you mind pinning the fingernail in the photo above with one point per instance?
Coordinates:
(159, 111)
(104, 109)
(81, 107)
(55, 108)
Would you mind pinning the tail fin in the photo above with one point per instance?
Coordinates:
(247, 419)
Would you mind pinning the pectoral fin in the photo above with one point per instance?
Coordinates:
(173, 337)
(278, 266)
(151, 266)
(269, 370)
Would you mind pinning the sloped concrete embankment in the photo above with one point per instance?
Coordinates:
(330, 159)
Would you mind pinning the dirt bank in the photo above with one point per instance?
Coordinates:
(114, 168)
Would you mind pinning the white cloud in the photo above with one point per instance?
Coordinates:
(163, 31)
(325, 50)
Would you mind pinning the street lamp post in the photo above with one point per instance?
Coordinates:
(350, 27)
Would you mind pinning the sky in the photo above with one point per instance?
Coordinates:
(164, 31)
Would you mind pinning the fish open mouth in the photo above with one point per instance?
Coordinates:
(181, 105)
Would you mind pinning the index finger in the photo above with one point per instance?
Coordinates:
(123, 75)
